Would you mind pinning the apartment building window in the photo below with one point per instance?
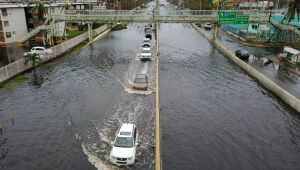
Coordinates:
(6, 24)
(4, 12)
(8, 35)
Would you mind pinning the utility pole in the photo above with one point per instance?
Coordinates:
(200, 4)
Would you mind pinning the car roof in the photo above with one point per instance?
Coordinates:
(146, 48)
(141, 76)
(38, 47)
(126, 127)
(147, 39)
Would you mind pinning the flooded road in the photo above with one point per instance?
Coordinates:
(213, 115)
(257, 59)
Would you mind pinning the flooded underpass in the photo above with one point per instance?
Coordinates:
(213, 115)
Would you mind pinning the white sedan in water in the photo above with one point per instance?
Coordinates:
(124, 145)
(39, 50)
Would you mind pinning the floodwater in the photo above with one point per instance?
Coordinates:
(213, 115)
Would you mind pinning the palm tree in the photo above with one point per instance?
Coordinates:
(35, 60)
(42, 10)
(66, 6)
(294, 7)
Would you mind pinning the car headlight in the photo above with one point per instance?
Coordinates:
(113, 157)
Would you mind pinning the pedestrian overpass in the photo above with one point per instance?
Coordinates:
(140, 16)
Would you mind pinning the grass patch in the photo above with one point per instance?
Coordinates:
(74, 33)
(298, 63)
(119, 27)
(13, 82)
(78, 47)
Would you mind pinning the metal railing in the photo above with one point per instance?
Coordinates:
(18, 66)
(177, 13)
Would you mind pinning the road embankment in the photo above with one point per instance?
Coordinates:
(9, 71)
(290, 99)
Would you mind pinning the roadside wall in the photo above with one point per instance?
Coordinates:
(18, 66)
(269, 84)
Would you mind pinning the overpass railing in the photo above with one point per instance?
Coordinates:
(106, 12)
(177, 13)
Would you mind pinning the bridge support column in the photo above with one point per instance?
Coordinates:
(90, 32)
(215, 32)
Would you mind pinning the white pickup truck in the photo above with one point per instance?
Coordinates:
(39, 50)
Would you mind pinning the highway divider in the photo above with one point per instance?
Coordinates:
(290, 99)
(158, 160)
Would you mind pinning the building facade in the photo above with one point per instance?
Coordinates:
(12, 23)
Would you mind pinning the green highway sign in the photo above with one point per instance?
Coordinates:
(242, 19)
(227, 17)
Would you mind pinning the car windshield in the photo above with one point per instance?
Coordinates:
(140, 81)
(244, 52)
(124, 142)
(146, 51)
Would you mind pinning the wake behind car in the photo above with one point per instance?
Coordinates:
(39, 50)
(140, 82)
(124, 145)
(146, 54)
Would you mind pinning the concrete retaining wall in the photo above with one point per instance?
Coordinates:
(17, 67)
(269, 84)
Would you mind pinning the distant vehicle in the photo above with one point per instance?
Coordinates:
(39, 50)
(198, 24)
(146, 42)
(148, 25)
(207, 26)
(148, 34)
(146, 54)
(242, 54)
(161, 5)
(147, 28)
(140, 82)
(124, 145)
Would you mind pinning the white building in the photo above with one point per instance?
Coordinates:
(12, 23)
